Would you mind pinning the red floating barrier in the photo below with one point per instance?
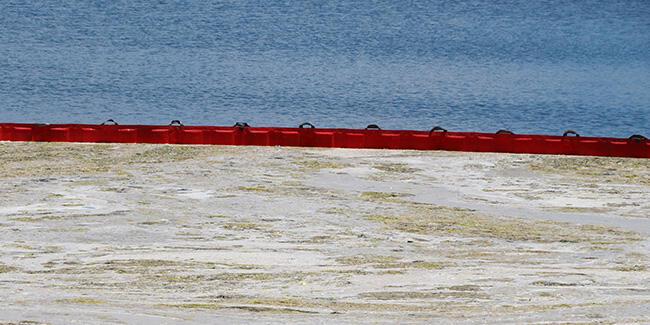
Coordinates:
(308, 136)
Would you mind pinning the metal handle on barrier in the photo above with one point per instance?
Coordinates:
(175, 123)
(311, 126)
(505, 132)
(111, 121)
(638, 137)
(241, 125)
(437, 129)
(567, 132)
(373, 127)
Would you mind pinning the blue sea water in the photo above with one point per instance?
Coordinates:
(528, 66)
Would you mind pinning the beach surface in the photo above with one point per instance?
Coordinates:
(159, 234)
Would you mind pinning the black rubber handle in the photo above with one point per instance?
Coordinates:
(373, 127)
(109, 122)
(567, 132)
(241, 125)
(311, 126)
(505, 132)
(437, 129)
(175, 123)
(638, 137)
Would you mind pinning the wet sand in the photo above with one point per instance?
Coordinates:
(155, 234)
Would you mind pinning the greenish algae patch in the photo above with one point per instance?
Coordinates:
(148, 268)
(568, 209)
(396, 168)
(153, 222)
(320, 239)
(58, 159)
(366, 259)
(167, 153)
(223, 277)
(259, 189)
(254, 309)
(241, 226)
(161, 279)
(34, 159)
(390, 197)
(423, 265)
(313, 165)
(388, 262)
(6, 268)
(69, 229)
(72, 205)
(38, 219)
(611, 170)
(147, 263)
(81, 301)
(541, 308)
(544, 283)
(325, 305)
(632, 268)
(131, 266)
(429, 219)
(407, 295)
(68, 216)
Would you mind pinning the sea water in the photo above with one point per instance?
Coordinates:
(527, 66)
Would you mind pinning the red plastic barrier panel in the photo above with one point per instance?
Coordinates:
(437, 139)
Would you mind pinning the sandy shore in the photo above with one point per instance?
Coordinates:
(152, 234)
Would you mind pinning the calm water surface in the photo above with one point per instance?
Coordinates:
(466, 65)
